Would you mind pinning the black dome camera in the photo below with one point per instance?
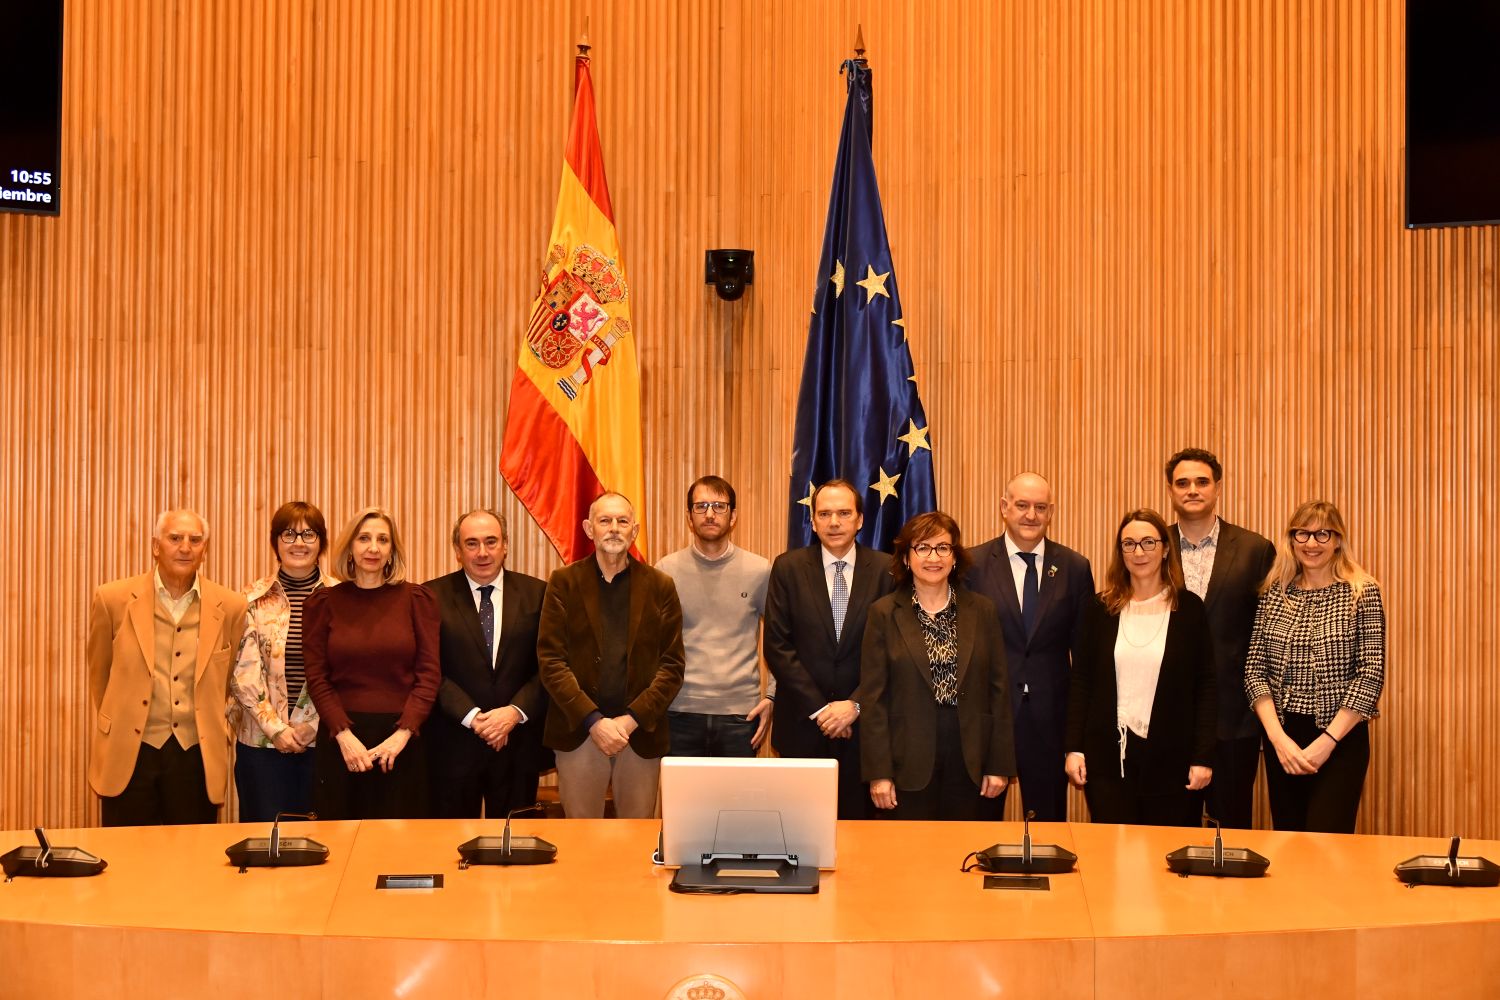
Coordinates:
(729, 271)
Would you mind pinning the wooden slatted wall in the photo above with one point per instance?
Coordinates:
(299, 241)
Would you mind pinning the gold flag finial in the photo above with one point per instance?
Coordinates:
(583, 39)
(859, 42)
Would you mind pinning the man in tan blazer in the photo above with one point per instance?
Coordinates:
(609, 652)
(159, 651)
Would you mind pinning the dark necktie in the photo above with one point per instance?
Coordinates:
(840, 599)
(487, 622)
(1028, 592)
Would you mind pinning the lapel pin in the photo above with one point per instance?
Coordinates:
(1052, 570)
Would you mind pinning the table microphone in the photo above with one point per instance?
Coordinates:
(1025, 858)
(277, 851)
(1218, 860)
(506, 849)
(46, 861)
(1436, 869)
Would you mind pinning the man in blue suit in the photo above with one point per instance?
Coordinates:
(1040, 589)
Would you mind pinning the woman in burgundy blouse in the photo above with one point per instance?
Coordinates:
(371, 651)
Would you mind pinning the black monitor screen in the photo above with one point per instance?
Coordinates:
(31, 106)
(1452, 112)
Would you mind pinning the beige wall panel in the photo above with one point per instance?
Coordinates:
(299, 242)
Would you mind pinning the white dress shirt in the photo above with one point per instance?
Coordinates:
(829, 559)
(176, 606)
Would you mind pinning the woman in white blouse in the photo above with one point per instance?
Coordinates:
(1141, 708)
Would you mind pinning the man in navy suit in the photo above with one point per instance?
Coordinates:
(1224, 565)
(1040, 589)
(816, 603)
(485, 733)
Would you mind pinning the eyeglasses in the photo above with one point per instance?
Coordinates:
(1320, 536)
(924, 549)
(1129, 545)
(704, 506)
(292, 536)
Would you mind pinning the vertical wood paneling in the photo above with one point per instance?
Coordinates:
(299, 243)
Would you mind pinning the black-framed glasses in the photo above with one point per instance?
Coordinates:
(1321, 535)
(704, 506)
(942, 549)
(292, 536)
(1129, 545)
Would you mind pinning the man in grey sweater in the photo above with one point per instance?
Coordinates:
(720, 711)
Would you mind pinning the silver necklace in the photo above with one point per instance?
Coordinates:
(1128, 613)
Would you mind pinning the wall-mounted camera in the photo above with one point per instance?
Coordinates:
(729, 271)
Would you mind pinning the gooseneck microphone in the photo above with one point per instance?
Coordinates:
(46, 861)
(277, 851)
(507, 849)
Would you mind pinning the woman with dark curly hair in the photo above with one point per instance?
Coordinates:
(933, 692)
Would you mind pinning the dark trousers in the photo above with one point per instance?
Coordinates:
(694, 734)
(1326, 802)
(1039, 763)
(950, 794)
(166, 789)
(374, 794)
(1230, 797)
(465, 775)
(807, 741)
(1135, 798)
(270, 782)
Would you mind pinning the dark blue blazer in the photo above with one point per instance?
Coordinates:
(1039, 663)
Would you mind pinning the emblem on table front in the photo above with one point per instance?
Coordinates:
(705, 986)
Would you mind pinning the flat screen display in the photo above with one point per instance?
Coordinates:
(31, 107)
(1452, 112)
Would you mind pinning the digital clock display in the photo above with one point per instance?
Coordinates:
(31, 108)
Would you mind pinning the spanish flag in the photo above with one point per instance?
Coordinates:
(573, 429)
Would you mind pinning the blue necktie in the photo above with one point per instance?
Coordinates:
(1028, 592)
(487, 621)
(840, 599)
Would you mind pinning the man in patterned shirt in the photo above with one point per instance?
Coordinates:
(1224, 565)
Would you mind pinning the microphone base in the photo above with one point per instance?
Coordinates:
(296, 852)
(1432, 869)
(1046, 859)
(491, 851)
(64, 862)
(1239, 862)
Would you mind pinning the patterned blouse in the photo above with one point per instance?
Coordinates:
(940, 631)
(1314, 652)
(260, 706)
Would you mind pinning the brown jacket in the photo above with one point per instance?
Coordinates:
(119, 650)
(567, 650)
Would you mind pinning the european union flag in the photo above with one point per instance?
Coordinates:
(858, 414)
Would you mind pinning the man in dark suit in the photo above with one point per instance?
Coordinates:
(1040, 589)
(816, 603)
(609, 648)
(1224, 565)
(485, 739)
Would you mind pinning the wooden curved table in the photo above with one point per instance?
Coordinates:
(170, 917)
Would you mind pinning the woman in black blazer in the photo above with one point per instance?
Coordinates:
(1142, 706)
(935, 705)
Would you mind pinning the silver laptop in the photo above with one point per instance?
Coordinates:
(749, 805)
